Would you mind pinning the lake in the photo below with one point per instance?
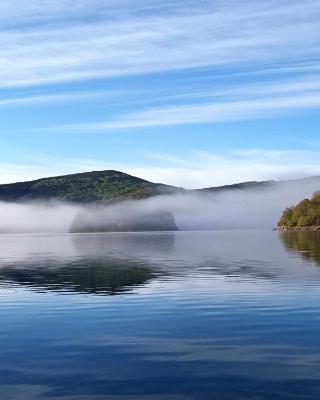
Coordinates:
(161, 316)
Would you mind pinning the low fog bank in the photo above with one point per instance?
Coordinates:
(237, 208)
(36, 217)
(254, 208)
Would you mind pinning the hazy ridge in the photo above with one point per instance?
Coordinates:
(51, 205)
(109, 186)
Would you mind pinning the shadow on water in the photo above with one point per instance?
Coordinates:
(92, 264)
(306, 244)
(103, 278)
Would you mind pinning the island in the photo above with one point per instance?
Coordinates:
(90, 221)
(305, 216)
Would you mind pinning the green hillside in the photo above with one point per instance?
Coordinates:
(96, 186)
(253, 185)
(303, 215)
(109, 186)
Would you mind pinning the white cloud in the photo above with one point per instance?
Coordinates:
(238, 104)
(203, 169)
(122, 39)
(45, 41)
(64, 97)
(196, 170)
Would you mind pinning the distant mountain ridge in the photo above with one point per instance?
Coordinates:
(112, 186)
(261, 184)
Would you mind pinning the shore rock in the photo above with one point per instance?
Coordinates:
(299, 228)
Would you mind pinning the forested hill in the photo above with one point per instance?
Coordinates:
(305, 215)
(96, 186)
(253, 185)
(312, 181)
(111, 186)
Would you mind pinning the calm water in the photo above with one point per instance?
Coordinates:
(170, 316)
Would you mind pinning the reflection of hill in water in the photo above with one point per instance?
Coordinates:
(95, 278)
(116, 263)
(128, 246)
(306, 243)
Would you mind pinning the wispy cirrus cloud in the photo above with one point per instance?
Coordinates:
(193, 62)
(134, 38)
(63, 97)
(226, 104)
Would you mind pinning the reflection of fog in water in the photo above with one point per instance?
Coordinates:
(118, 262)
(44, 249)
(306, 244)
(134, 246)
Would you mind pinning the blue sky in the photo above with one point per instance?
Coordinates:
(190, 93)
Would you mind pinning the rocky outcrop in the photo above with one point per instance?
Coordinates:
(299, 228)
(100, 221)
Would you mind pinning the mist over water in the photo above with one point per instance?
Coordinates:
(228, 209)
(36, 217)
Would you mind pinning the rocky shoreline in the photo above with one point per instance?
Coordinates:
(311, 228)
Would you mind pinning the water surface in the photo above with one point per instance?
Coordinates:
(170, 316)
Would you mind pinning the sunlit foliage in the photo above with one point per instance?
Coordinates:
(306, 213)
